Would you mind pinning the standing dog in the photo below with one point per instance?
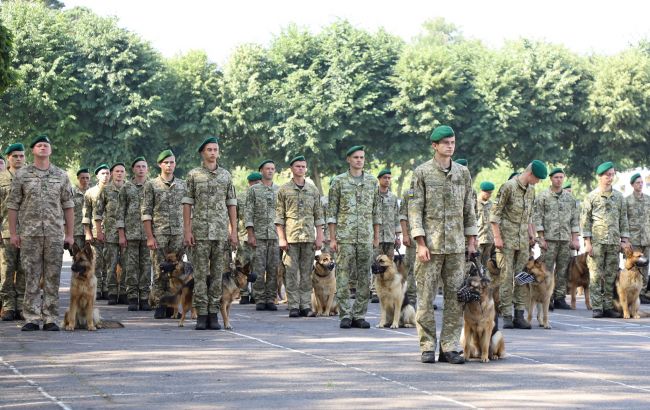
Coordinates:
(578, 274)
(231, 283)
(181, 284)
(628, 286)
(390, 282)
(323, 281)
(540, 291)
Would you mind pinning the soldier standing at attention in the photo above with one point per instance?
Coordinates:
(78, 192)
(638, 216)
(605, 230)
(162, 216)
(354, 219)
(133, 241)
(103, 175)
(442, 218)
(483, 207)
(209, 207)
(244, 250)
(409, 254)
(299, 222)
(42, 194)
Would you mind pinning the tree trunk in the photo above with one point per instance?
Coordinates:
(315, 176)
(404, 168)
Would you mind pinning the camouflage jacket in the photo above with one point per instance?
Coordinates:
(300, 211)
(5, 188)
(129, 203)
(556, 215)
(242, 233)
(638, 216)
(604, 217)
(161, 204)
(390, 226)
(326, 231)
(210, 193)
(78, 199)
(404, 211)
(259, 212)
(485, 234)
(442, 208)
(40, 198)
(513, 211)
(106, 211)
(90, 202)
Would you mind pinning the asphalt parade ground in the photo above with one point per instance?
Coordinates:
(271, 361)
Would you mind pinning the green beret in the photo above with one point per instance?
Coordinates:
(487, 186)
(100, 167)
(539, 169)
(634, 177)
(461, 161)
(514, 174)
(441, 132)
(296, 159)
(116, 164)
(40, 138)
(138, 159)
(254, 176)
(83, 170)
(556, 170)
(604, 167)
(354, 149)
(208, 141)
(1, 157)
(383, 172)
(164, 155)
(266, 161)
(566, 185)
(14, 147)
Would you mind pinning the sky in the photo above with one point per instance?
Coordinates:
(218, 27)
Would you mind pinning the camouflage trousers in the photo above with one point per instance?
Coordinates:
(556, 258)
(208, 259)
(450, 269)
(100, 266)
(511, 262)
(113, 256)
(265, 265)
(244, 255)
(646, 251)
(409, 260)
(485, 248)
(160, 284)
(41, 256)
(80, 240)
(298, 263)
(136, 265)
(353, 259)
(12, 277)
(384, 248)
(603, 267)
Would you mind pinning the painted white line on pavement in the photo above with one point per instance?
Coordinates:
(602, 329)
(35, 385)
(358, 369)
(619, 322)
(30, 404)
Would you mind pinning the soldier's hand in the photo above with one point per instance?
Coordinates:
(100, 236)
(252, 241)
(423, 254)
(407, 240)
(375, 243)
(334, 245)
(69, 241)
(588, 249)
(188, 239)
(234, 240)
(283, 244)
(575, 244)
(543, 244)
(318, 244)
(15, 241)
(122, 240)
(498, 243)
(152, 243)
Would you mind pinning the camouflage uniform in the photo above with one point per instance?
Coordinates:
(441, 211)
(259, 214)
(326, 232)
(244, 250)
(161, 204)
(409, 256)
(300, 211)
(90, 202)
(556, 214)
(106, 211)
(78, 199)
(604, 220)
(210, 193)
(40, 197)
(136, 263)
(638, 216)
(12, 275)
(485, 235)
(513, 212)
(354, 207)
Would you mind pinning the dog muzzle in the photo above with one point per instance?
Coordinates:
(378, 269)
(79, 270)
(642, 262)
(166, 267)
(330, 266)
(252, 277)
(467, 294)
(523, 278)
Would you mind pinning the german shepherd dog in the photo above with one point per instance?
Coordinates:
(578, 275)
(323, 282)
(390, 282)
(181, 284)
(540, 291)
(231, 283)
(629, 283)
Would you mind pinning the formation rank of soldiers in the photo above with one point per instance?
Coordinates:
(440, 218)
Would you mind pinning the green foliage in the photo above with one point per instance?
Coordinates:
(6, 47)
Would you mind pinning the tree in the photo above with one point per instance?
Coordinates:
(6, 46)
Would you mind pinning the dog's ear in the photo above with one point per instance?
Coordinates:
(74, 250)
(179, 255)
(628, 252)
(88, 250)
(246, 268)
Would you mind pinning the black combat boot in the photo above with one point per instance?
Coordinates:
(160, 312)
(507, 322)
(560, 303)
(133, 305)
(428, 357)
(244, 300)
(213, 321)
(452, 357)
(144, 305)
(519, 322)
(201, 322)
(112, 300)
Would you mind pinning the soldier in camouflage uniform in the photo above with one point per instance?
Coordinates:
(441, 214)
(105, 215)
(244, 251)
(483, 207)
(409, 256)
(354, 218)
(42, 194)
(259, 217)
(3, 165)
(299, 215)
(208, 207)
(12, 282)
(162, 217)
(605, 230)
(557, 219)
(78, 193)
(513, 230)
(103, 175)
(638, 216)
(136, 261)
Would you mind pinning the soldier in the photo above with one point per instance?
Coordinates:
(638, 216)
(605, 230)
(42, 194)
(354, 219)
(3, 165)
(162, 217)
(441, 214)
(299, 215)
(483, 207)
(12, 275)
(103, 175)
(244, 250)
(208, 207)
(78, 192)
(259, 218)
(136, 263)
(409, 255)
(511, 219)
(557, 221)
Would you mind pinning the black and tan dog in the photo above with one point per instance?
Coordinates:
(231, 282)
(578, 277)
(629, 283)
(323, 281)
(540, 291)
(390, 283)
(181, 285)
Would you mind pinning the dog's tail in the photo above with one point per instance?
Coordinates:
(170, 299)
(105, 323)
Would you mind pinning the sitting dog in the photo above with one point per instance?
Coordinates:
(578, 274)
(323, 281)
(231, 283)
(390, 282)
(629, 283)
(540, 291)
(181, 284)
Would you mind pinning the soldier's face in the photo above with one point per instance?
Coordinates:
(299, 169)
(84, 180)
(485, 195)
(384, 181)
(16, 159)
(210, 152)
(140, 169)
(357, 160)
(607, 178)
(268, 170)
(42, 150)
(251, 183)
(557, 180)
(168, 165)
(638, 185)
(445, 146)
(118, 173)
(103, 176)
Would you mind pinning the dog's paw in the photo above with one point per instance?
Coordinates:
(181, 325)
(485, 360)
(70, 328)
(228, 327)
(494, 357)
(408, 325)
(637, 316)
(333, 314)
(547, 326)
(379, 325)
(394, 326)
(92, 328)
(626, 316)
